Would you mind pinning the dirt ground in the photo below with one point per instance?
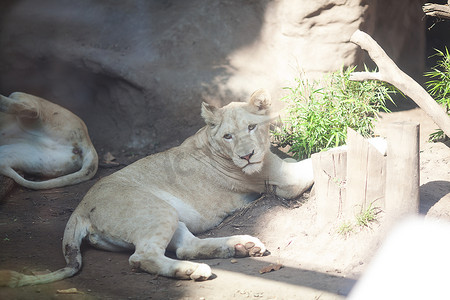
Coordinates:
(318, 262)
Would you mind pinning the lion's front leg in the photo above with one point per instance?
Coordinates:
(187, 246)
(291, 179)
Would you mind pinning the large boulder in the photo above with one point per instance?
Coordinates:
(137, 71)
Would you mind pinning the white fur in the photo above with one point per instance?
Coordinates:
(41, 138)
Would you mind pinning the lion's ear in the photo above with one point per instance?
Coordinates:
(209, 114)
(260, 102)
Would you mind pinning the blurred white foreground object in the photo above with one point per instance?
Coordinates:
(413, 263)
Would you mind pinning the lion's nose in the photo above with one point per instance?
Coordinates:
(248, 156)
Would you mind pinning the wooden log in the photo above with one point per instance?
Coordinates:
(390, 73)
(402, 169)
(330, 173)
(437, 10)
(366, 176)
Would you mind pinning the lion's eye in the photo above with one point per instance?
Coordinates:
(251, 127)
(227, 136)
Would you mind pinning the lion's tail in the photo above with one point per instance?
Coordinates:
(15, 279)
(74, 233)
(87, 171)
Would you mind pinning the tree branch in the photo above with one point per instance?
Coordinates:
(437, 10)
(390, 73)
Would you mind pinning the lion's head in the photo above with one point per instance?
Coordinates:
(240, 130)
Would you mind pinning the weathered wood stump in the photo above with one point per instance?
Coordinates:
(364, 174)
(402, 169)
(330, 176)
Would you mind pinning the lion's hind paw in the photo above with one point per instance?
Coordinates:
(201, 273)
(250, 249)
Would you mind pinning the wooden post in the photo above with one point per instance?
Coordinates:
(349, 179)
(366, 176)
(402, 169)
(330, 173)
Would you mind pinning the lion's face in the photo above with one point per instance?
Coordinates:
(240, 131)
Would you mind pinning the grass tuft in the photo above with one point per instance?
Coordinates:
(365, 218)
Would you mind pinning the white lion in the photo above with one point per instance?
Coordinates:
(159, 202)
(41, 138)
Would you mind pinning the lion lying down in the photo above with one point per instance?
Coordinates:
(41, 138)
(159, 202)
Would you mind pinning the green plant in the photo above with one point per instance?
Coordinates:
(345, 229)
(363, 219)
(367, 216)
(439, 86)
(318, 117)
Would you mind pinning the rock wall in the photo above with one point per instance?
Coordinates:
(137, 71)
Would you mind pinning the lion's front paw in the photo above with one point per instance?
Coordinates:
(253, 249)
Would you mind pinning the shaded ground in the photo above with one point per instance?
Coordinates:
(318, 262)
